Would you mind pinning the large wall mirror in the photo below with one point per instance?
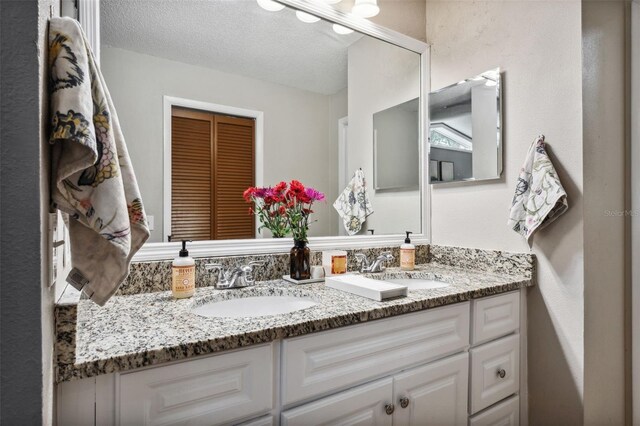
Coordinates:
(216, 96)
(465, 130)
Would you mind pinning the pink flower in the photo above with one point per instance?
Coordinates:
(314, 194)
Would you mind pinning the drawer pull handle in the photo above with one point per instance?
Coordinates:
(502, 373)
(389, 409)
(404, 402)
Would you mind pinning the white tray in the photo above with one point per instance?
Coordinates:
(309, 281)
(366, 287)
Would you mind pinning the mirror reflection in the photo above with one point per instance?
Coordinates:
(396, 146)
(465, 133)
(218, 96)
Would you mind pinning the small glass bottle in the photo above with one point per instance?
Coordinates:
(300, 258)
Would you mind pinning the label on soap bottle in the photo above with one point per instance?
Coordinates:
(183, 280)
(407, 259)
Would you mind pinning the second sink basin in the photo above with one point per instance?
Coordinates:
(249, 306)
(418, 283)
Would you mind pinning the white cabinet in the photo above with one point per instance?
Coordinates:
(413, 369)
(211, 390)
(327, 362)
(435, 394)
(363, 405)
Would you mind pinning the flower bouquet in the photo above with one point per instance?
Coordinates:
(285, 209)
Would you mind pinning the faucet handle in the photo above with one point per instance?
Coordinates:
(216, 267)
(248, 270)
(387, 256)
(362, 258)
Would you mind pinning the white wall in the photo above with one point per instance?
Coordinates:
(605, 126)
(538, 47)
(300, 127)
(380, 76)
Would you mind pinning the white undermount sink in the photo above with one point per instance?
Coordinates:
(254, 306)
(418, 283)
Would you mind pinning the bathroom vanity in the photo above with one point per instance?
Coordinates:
(449, 355)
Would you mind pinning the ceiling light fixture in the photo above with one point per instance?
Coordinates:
(341, 30)
(270, 5)
(305, 17)
(365, 8)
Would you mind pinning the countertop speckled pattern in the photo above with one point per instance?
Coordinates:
(147, 329)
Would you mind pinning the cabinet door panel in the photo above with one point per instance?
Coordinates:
(212, 390)
(437, 393)
(363, 405)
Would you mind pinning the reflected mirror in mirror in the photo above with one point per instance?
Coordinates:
(465, 132)
(396, 147)
(216, 96)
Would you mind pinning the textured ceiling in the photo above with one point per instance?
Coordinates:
(235, 36)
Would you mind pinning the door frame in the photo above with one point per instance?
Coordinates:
(635, 210)
(343, 160)
(168, 102)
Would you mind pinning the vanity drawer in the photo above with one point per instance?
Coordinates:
(505, 413)
(333, 360)
(213, 390)
(495, 372)
(495, 316)
(362, 405)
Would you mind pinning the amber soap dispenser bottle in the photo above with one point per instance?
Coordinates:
(183, 272)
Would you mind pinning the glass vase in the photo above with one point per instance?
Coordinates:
(300, 264)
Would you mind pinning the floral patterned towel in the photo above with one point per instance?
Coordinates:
(540, 197)
(92, 178)
(353, 204)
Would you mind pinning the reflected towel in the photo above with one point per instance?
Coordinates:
(92, 177)
(540, 198)
(353, 204)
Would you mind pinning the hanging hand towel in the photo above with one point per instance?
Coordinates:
(93, 179)
(353, 204)
(540, 197)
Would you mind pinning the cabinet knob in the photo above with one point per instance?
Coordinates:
(389, 409)
(404, 402)
(502, 373)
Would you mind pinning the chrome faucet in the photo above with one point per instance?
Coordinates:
(377, 265)
(235, 276)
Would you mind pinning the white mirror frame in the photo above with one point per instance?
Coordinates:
(89, 18)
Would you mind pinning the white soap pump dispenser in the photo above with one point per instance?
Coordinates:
(407, 254)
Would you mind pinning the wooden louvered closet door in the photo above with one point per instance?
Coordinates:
(212, 163)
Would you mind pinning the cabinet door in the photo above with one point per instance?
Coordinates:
(212, 390)
(435, 394)
(364, 405)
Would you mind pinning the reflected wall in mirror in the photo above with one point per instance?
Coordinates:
(396, 147)
(465, 131)
(217, 96)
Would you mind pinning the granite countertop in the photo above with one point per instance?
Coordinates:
(147, 329)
